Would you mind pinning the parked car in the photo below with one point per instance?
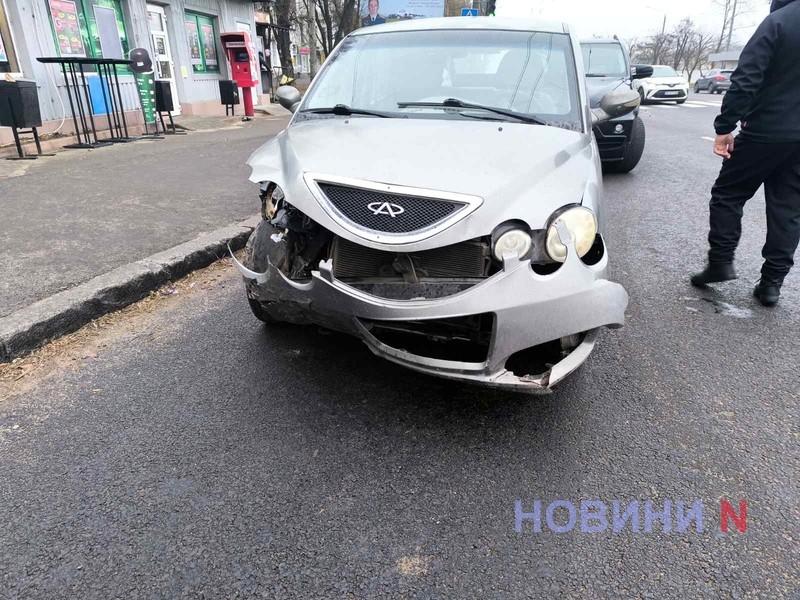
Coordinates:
(664, 85)
(715, 81)
(438, 194)
(607, 67)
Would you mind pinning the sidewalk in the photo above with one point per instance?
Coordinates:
(82, 213)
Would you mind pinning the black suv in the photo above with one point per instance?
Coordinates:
(608, 67)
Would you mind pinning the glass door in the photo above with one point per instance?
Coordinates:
(162, 54)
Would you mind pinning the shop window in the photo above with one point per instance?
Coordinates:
(8, 59)
(202, 35)
(90, 28)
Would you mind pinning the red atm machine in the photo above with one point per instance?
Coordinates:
(244, 65)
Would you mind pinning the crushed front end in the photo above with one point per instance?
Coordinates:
(454, 311)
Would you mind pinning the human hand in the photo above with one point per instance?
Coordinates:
(723, 145)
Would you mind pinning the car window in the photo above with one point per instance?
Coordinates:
(527, 72)
(729, 73)
(664, 72)
(604, 59)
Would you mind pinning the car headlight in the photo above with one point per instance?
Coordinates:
(582, 226)
(513, 240)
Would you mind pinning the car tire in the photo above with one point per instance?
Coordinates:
(712, 89)
(256, 259)
(641, 95)
(696, 88)
(633, 152)
(260, 313)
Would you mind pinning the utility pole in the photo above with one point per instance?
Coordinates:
(730, 27)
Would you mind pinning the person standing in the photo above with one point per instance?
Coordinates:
(765, 98)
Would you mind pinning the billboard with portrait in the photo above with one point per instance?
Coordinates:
(375, 12)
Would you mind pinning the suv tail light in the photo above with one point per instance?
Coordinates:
(719, 78)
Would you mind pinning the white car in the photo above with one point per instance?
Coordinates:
(664, 85)
(438, 194)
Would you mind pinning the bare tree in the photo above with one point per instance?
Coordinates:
(285, 18)
(731, 11)
(697, 54)
(682, 37)
(335, 19)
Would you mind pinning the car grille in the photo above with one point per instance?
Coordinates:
(464, 260)
(388, 213)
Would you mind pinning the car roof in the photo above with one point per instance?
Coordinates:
(467, 23)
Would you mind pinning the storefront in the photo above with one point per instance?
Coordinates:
(182, 37)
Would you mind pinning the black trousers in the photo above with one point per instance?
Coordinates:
(777, 166)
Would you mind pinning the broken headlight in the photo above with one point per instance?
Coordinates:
(512, 241)
(582, 226)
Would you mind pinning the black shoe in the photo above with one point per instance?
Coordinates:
(768, 292)
(714, 273)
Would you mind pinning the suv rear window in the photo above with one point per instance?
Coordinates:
(606, 60)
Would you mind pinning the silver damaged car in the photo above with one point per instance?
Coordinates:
(438, 194)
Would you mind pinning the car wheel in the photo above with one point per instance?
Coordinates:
(256, 259)
(260, 313)
(633, 152)
(696, 88)
(641, 95)
(712, 89)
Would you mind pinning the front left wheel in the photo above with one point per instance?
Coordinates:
(260, 313)
(633, 152)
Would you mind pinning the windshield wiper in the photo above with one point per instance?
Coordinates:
(346, 111)
(455, 103)
(597, 75)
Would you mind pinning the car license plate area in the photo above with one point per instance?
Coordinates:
(674, 93)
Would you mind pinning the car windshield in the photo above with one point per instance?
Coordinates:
(606, 60)
(664, 72)
(530, 73)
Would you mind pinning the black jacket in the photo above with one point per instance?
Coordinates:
(765, 88)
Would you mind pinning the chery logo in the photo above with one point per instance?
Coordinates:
(386, 208)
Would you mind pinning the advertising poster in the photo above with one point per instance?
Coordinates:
(194, 45)
(209, 47)
(67, 28)
(375, 12)
(3, 54)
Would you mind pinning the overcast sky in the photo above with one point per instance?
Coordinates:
(638, 18)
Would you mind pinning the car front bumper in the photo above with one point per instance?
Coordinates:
(529, 309)
(664, 93)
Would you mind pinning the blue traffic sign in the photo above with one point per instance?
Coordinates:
(469, 12)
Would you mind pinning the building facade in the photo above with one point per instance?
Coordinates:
(182, 37)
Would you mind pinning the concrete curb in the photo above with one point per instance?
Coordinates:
(33, 326)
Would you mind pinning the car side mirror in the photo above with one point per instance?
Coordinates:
(641, 71)
(614, 105)
(288, 97)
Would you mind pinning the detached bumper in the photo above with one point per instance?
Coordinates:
(529, 310)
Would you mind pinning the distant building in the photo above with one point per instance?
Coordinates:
(725, 60)
(182, 37)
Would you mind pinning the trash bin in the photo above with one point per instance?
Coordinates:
(19, 104)
(228, 92)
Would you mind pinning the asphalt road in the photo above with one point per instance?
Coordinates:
(202, 455)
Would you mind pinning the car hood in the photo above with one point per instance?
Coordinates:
(519, 171)
(597, 87)
(665, 81)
